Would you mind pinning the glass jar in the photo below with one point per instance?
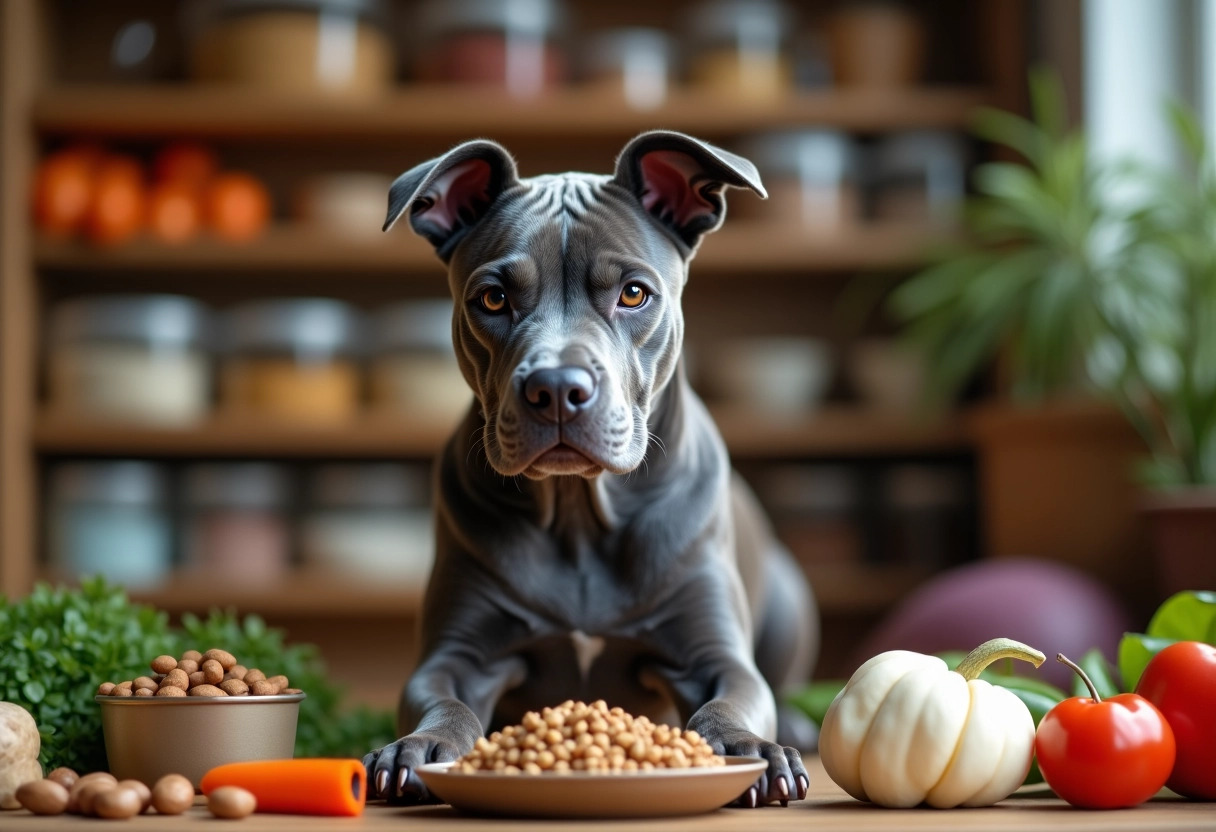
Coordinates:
(741, 47)
(235, 521)
(413, 365)
(110, 519)
(634, 63)
(920, 176)
(369, 522)
(139, 358)
(876, 43)
(292, 359)
(810, 175)
(509, 44)
(292, 46)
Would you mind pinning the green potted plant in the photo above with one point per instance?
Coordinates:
(1087, 277)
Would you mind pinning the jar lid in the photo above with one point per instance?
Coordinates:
(310, 328)
(201, 13)
(368, 486)
(611, 49)
(236, 485)
(760, 25)
(535, 18)
(158, 320)
(817, 156)
(416, 325)
(121, 483)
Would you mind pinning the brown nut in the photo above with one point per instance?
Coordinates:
(192, 656)
(43, 797)
(163, 664)
(64, 776)
(144, 682)
(172, 794)
(280, 682)
(141, 789)
(292, 691)
(198, 678)
(263, 687)
(231, 802)
(145, 692)
(213, 672)
(176, 678)
(234, 687)
(188, 666)
(116, 803)
(237, 671)
(206, 690)
(226, 659)
(170, 690)
(254, 675)
(122, 689)
(105, 689)
(86, 795)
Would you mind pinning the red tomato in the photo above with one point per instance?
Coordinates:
(186, 162)
(1105, 754)
(174, 212)
(1181, 682)
(238, 206)
(63, 190)
(117, 211)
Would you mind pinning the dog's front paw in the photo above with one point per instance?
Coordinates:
(391, 771)
(784, 780)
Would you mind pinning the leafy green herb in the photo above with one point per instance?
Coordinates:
(57, 645)
(1185, 616)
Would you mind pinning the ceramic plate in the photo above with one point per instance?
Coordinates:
(651, 794)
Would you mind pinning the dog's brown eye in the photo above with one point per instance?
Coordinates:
(633, 296)
(494, 300)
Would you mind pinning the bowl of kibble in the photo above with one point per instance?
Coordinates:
(589, 760)
(193, 713)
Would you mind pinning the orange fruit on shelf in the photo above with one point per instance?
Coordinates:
(188, 162)
(238, 206)
(116, 213)
(63, 190)
(175, 213)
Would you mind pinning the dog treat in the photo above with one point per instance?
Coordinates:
(43, 797)
(172, 794)
(214, 673)
(231, 802)
(117, 803)
(576, 736)
(141, 789)
(64, 776)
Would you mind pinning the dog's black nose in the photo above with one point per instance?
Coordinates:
(559, 394)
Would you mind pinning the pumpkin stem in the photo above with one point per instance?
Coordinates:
(973, 663)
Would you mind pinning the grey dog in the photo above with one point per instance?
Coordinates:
(593, 541)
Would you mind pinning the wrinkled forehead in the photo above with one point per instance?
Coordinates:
(570, 224)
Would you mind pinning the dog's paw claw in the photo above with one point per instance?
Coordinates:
(804, 785)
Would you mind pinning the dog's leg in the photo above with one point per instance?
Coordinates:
(448, 700)
(787, 643)
(716, 678)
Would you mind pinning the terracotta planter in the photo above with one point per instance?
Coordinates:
(1182, 531)
(1056, 482)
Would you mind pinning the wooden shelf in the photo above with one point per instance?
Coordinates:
(842, 431)
(439, 111)
(744, 246)
(839, 589)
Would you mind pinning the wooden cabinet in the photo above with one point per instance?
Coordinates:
(794, 278)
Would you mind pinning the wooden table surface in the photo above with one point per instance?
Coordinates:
(826, 809)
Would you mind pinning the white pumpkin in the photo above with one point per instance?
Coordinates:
(907, 730)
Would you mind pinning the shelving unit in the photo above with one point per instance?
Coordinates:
(41, 111)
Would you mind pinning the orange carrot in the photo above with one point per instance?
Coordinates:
(317, 786)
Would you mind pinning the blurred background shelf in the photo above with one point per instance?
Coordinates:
(755, 246)
(172, 110)
(832, 431)
(842, 589)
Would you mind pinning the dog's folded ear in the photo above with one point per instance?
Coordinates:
(448, 195)
(679, 181)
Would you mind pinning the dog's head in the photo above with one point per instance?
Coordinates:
(567, 321)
